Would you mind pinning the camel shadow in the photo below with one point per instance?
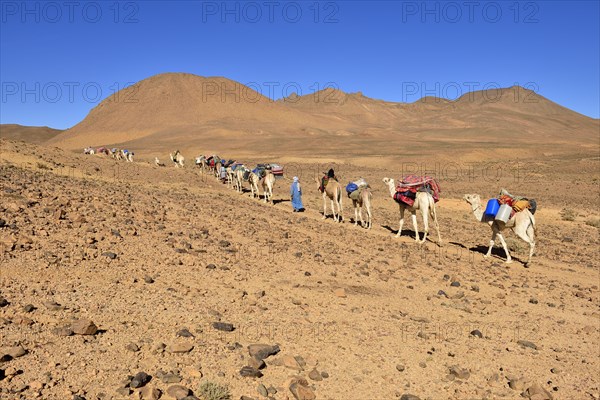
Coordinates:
(281, 201)
(497, 252)
(405, 232)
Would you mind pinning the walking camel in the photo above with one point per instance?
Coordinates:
(522, 224)
(253, 180)
(267, 182)
(177, 158)
(363, 200)
(333, 191)
(423, 202)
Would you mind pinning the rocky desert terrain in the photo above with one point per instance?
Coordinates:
(127, 280)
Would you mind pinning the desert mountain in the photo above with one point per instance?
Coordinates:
(188, 111)
(32, 134)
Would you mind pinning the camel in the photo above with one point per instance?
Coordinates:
(217, 167)
(230, 177)
(89, 150)
(253, 180)
(364, 200)
(238, 178)
(522, 224)
(267, 182)
(127, 155)
(177, 158)
(333, 190)
(423, 202)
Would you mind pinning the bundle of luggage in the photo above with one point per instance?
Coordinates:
(504, 207)
(354, 189)
(409, 185)
(277, 170)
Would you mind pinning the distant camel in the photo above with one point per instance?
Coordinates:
(364, 200)
(333, 191)
(177, 158)
(253, 180)
(267, 182)
(89, 150)
(238, 178)
(127, 155)
(424, 202)
(115, 154)
(522, 224)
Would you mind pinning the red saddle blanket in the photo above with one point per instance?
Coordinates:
(417, 183)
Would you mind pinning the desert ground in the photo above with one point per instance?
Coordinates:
(154, 257)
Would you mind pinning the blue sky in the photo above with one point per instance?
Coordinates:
(59, 59)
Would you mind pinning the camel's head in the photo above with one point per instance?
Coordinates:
(472, 198)
(388, 181)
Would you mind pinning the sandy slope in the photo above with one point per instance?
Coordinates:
(393, 333)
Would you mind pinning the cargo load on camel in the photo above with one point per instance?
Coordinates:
(408, 186)
(354, 189)
(505, 205)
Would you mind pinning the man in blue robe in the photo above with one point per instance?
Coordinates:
(296, 195)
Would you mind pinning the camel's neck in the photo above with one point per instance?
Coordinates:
(392, 188)
(478, 212)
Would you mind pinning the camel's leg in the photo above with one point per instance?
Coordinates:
(508, 258)
(425, 214)
(340, 208)
(401, 221)
(335, 218)
(492, 240)
(355, 212)
(362, 222)
(413, 216)
(324, 207)
(528, 236)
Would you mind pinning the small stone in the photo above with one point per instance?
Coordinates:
(477, 333)
(180, 347)
(28, 308)
(301, 391)
(527, 343)
(262, 390)
(53, 306)
(262, 351)
(455, 284)
(63, 331)
(148, 279)
(516, 383)
(248, 371)
(315, 375)
(184, 333)
(109, 254)
(171, 378)
(140, 379)
(3, 302)
(150, 393)
(178, 391)
(400, 367)
(133, 347)
(84, 327)
(533, 300)
(291, 363)
(324, 374)
(256, 363)
(409, 397)
(537, 392)
(442, 293)
(460, 373)
(555, 370)
(341, 292)
(14, 352)
(211, 266)
(223, 326)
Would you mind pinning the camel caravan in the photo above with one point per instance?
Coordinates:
(412, 193)
(115, 154)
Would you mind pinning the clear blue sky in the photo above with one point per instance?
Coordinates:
(59, 60)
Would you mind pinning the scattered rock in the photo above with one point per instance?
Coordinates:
(262, 351)
(341, 292)
(53, 306)
(536, 392)
(516, 383)
(291, 363)
(460, 373)
(29, 308)
(84, 327)
(13, 352)
(477, 333)
(455, 284)
(133, 347)
(262, 390)
(180, 347)
(150, 393)
(140, 379)
(148, 279)
(527, 343)
(301, 391)
(3, 302)
(223, 326)
(63, 331)
(248, 371)
(184, 333)
(400, 367)
(409, 397)
(315, 375)
(109, 254)
(178, 391)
